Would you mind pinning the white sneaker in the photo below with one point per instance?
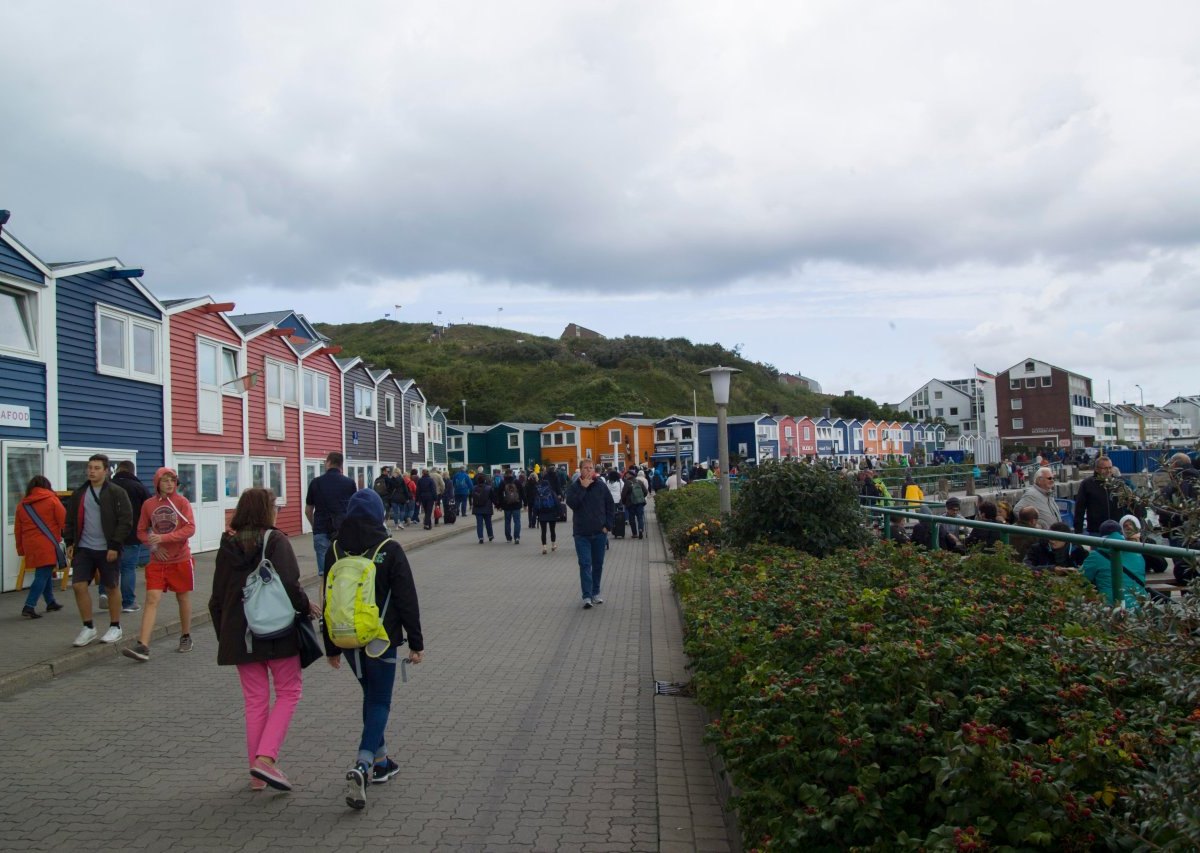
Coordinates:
(113, 634)
(85, 636)
(597, 599)
(587, 604)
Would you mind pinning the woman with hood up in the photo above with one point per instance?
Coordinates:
(1098, 569)
(41, 551)
(253, 537)
(363, 533)
(165, 525)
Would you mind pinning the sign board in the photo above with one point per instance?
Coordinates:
(14, 416)
(354, 436)
(1064, 442)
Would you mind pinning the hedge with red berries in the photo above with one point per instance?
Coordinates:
(890, 699)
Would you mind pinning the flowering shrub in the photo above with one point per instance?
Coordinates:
(890, 699)
(680, 512)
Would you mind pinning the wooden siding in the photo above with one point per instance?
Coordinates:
(288, 448)
(95, 410)
(14, 263)
(392, 439)
(23, 383)
(413, 458)
(186, 327)
(364, 451)
(323, 433)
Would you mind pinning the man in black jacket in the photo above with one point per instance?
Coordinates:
(592, 506)
(1096, 500)
(134, 554)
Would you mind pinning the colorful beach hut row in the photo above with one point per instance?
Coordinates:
(92, 361)
(627, 440)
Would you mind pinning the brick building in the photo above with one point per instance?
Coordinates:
(1038, 404)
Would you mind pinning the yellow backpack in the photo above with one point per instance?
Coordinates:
(352, 618)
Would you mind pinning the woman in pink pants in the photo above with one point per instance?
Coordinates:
(267, 660)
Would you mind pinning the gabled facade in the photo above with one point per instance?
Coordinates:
(273, 414)
(321, 404)
(359, 421)
(112, 369)
(1042, 405)
(1188, 408)
(28, 382)
(208, 415)
(806, 437)
(435, 438)
(827, 445)
(672, 431)
(414, 409)
(789, 444)
(389, 419)
(625, 440)
(515, 446)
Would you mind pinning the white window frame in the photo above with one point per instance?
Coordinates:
(262, 469)
(364, 402)
(416, 418)
(1046, 381)
(210, 405)
(1018, 423)
(514, 441)
(389, 409)
(1016, 403)
(454, 443)
(319, 380)
(286, 395)
(130, 322)
(27, 314)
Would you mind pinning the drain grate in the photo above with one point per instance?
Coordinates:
(672, 688)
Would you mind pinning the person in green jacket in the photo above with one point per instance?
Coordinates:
(1098, 569)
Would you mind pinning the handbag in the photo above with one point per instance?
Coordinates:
(437, 512)
(60, 555)
(311, 649)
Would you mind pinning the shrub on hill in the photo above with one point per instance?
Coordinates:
(808, 507)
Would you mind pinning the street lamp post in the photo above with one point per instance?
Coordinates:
(676, 433)
(720, 377)
(464, 405)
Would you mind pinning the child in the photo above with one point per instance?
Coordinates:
(165, 525)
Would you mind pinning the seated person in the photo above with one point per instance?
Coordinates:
(1131, 529)
(1098, 569)
(1055, 554)
(1027, 517)
(980, 538)
(922, 534)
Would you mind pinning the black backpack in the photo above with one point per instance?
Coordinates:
(512, 495)
(479, 496)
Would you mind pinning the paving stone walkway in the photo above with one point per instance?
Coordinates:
(531, 725)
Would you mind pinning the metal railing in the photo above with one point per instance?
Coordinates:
(1113, 547)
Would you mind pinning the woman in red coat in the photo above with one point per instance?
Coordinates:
(40, 551)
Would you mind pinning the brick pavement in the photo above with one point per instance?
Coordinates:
(531, 725)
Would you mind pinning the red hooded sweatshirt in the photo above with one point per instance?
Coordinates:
(31, 543)
(170, 516)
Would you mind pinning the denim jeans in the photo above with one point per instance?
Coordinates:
(377, 677)
(396, 510)
(411, 511)
(483, 520)
(590, 551)
(43, 585)
(637, 518)
(321, 546)
(512, 524)
(132, 556)
(461, 500)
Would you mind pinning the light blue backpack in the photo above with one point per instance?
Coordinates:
(269, 612)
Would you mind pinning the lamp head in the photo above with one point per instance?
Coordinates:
(720, 382)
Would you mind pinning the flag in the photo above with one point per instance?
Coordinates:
(298, 341)
(983, 374)
(245, 382)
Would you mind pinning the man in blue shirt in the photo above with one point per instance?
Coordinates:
(325, 505)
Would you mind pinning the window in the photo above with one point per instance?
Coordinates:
(127, 345)
(389, 410)
(1016, 403)
(268, 474)
(614, 436)
(18, 320)
(416, 423)
(1014, 384)
(871, 434)
(216, 370)
(1029, 367)
(570, 436)
(807, 432)
(1018, 423)
(1045, 381)
(455, 442)
(953, 410)
(1030, 382)
(281, 391)
(233, 478)
(937, 395)
(364, 402)
(316, 392)
(787, 432)
(514, 441)
(938, 412)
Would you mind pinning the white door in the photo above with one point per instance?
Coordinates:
(312, 470)
(199, 482)
(362, 473)
(19, 462)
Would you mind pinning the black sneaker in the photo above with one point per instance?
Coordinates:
(137, 651)
(381, 772)
(30, 613)
(356, 786)
(53, 606)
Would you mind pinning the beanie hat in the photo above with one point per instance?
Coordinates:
(1109, 527)
(365, 503)
(1131, 519)
(953, 502)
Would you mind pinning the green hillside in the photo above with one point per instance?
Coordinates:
(515, 376)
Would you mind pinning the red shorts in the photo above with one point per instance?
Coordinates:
(171, 577)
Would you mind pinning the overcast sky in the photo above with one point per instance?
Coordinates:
(868, 193)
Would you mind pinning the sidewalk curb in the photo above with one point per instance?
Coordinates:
(78, 658)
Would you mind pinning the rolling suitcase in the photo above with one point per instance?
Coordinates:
(619, 522)
(451, 514)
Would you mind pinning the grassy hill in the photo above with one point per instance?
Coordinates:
(516, 376)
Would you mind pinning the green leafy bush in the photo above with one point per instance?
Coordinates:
(681, 511)
(890, 699)
(808, 507)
